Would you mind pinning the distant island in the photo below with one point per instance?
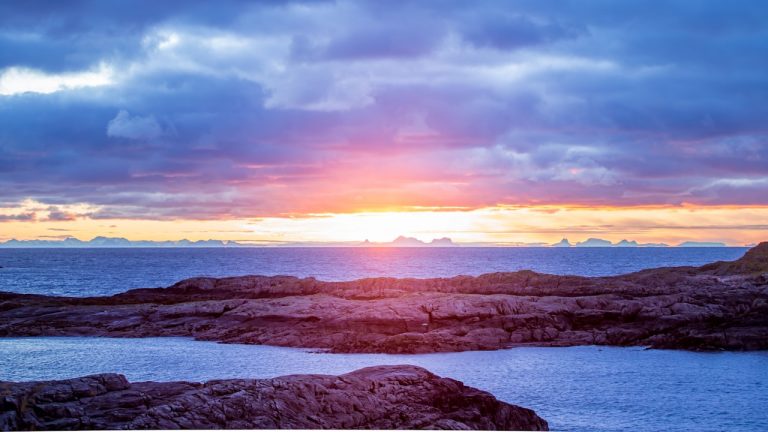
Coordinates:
(115, 242)
(702, 244)
(597, 242)
(401, 241)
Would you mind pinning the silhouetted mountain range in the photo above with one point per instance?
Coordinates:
(597, 242)
(401, 241)
(119, 242)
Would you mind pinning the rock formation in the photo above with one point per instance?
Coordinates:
(723, 305)
(381, 397)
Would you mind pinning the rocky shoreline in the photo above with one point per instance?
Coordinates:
(380, 397)
(719, 306)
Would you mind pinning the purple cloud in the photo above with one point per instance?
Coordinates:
(17, 217)
(250, 110)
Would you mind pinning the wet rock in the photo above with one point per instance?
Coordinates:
(381, 397)
(680, 307)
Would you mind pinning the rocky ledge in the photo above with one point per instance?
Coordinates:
(381, 397)
(722, 305)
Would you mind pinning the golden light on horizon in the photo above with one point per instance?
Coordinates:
(505, 225)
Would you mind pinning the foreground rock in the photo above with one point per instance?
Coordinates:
(381, 397)
(722, 305)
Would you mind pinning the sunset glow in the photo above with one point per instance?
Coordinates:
(499, 124)
(510, 226)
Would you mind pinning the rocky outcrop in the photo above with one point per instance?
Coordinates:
(754, 262)
(381, 397)
(722, 305)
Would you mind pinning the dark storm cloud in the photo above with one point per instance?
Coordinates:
(236, 108)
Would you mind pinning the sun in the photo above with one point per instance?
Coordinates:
(371, 226)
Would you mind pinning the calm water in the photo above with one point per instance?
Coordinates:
(578, 388)
(85, 272)
(573, 388)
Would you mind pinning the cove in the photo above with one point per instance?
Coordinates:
(574, 388)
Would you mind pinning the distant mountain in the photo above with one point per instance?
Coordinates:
(513, 244)
(114, 242)
(594, 242)
(597, 242)
(444, 241)
(403, 241)
(110, 242)
(701, 244)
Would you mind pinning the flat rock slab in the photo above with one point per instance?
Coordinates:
(381, 397)
(719, 306)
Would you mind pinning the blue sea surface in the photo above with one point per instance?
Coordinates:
(91, 272)
(576, 388)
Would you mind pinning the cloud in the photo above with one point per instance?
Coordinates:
(133, 127)
(57, 215)
(16, 80)
(404, 40)
(22, 217)
(509, 32)
(249, 110)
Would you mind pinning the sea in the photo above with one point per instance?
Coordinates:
(574, 388)
(584, 388)
(103, 271)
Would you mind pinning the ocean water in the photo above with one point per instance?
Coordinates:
(575, 388)
(90, 272)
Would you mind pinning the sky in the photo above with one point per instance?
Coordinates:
(488, 121)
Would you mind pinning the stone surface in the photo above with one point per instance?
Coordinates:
(381, 397)
(722, 305)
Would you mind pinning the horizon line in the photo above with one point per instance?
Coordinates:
(399, 242)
